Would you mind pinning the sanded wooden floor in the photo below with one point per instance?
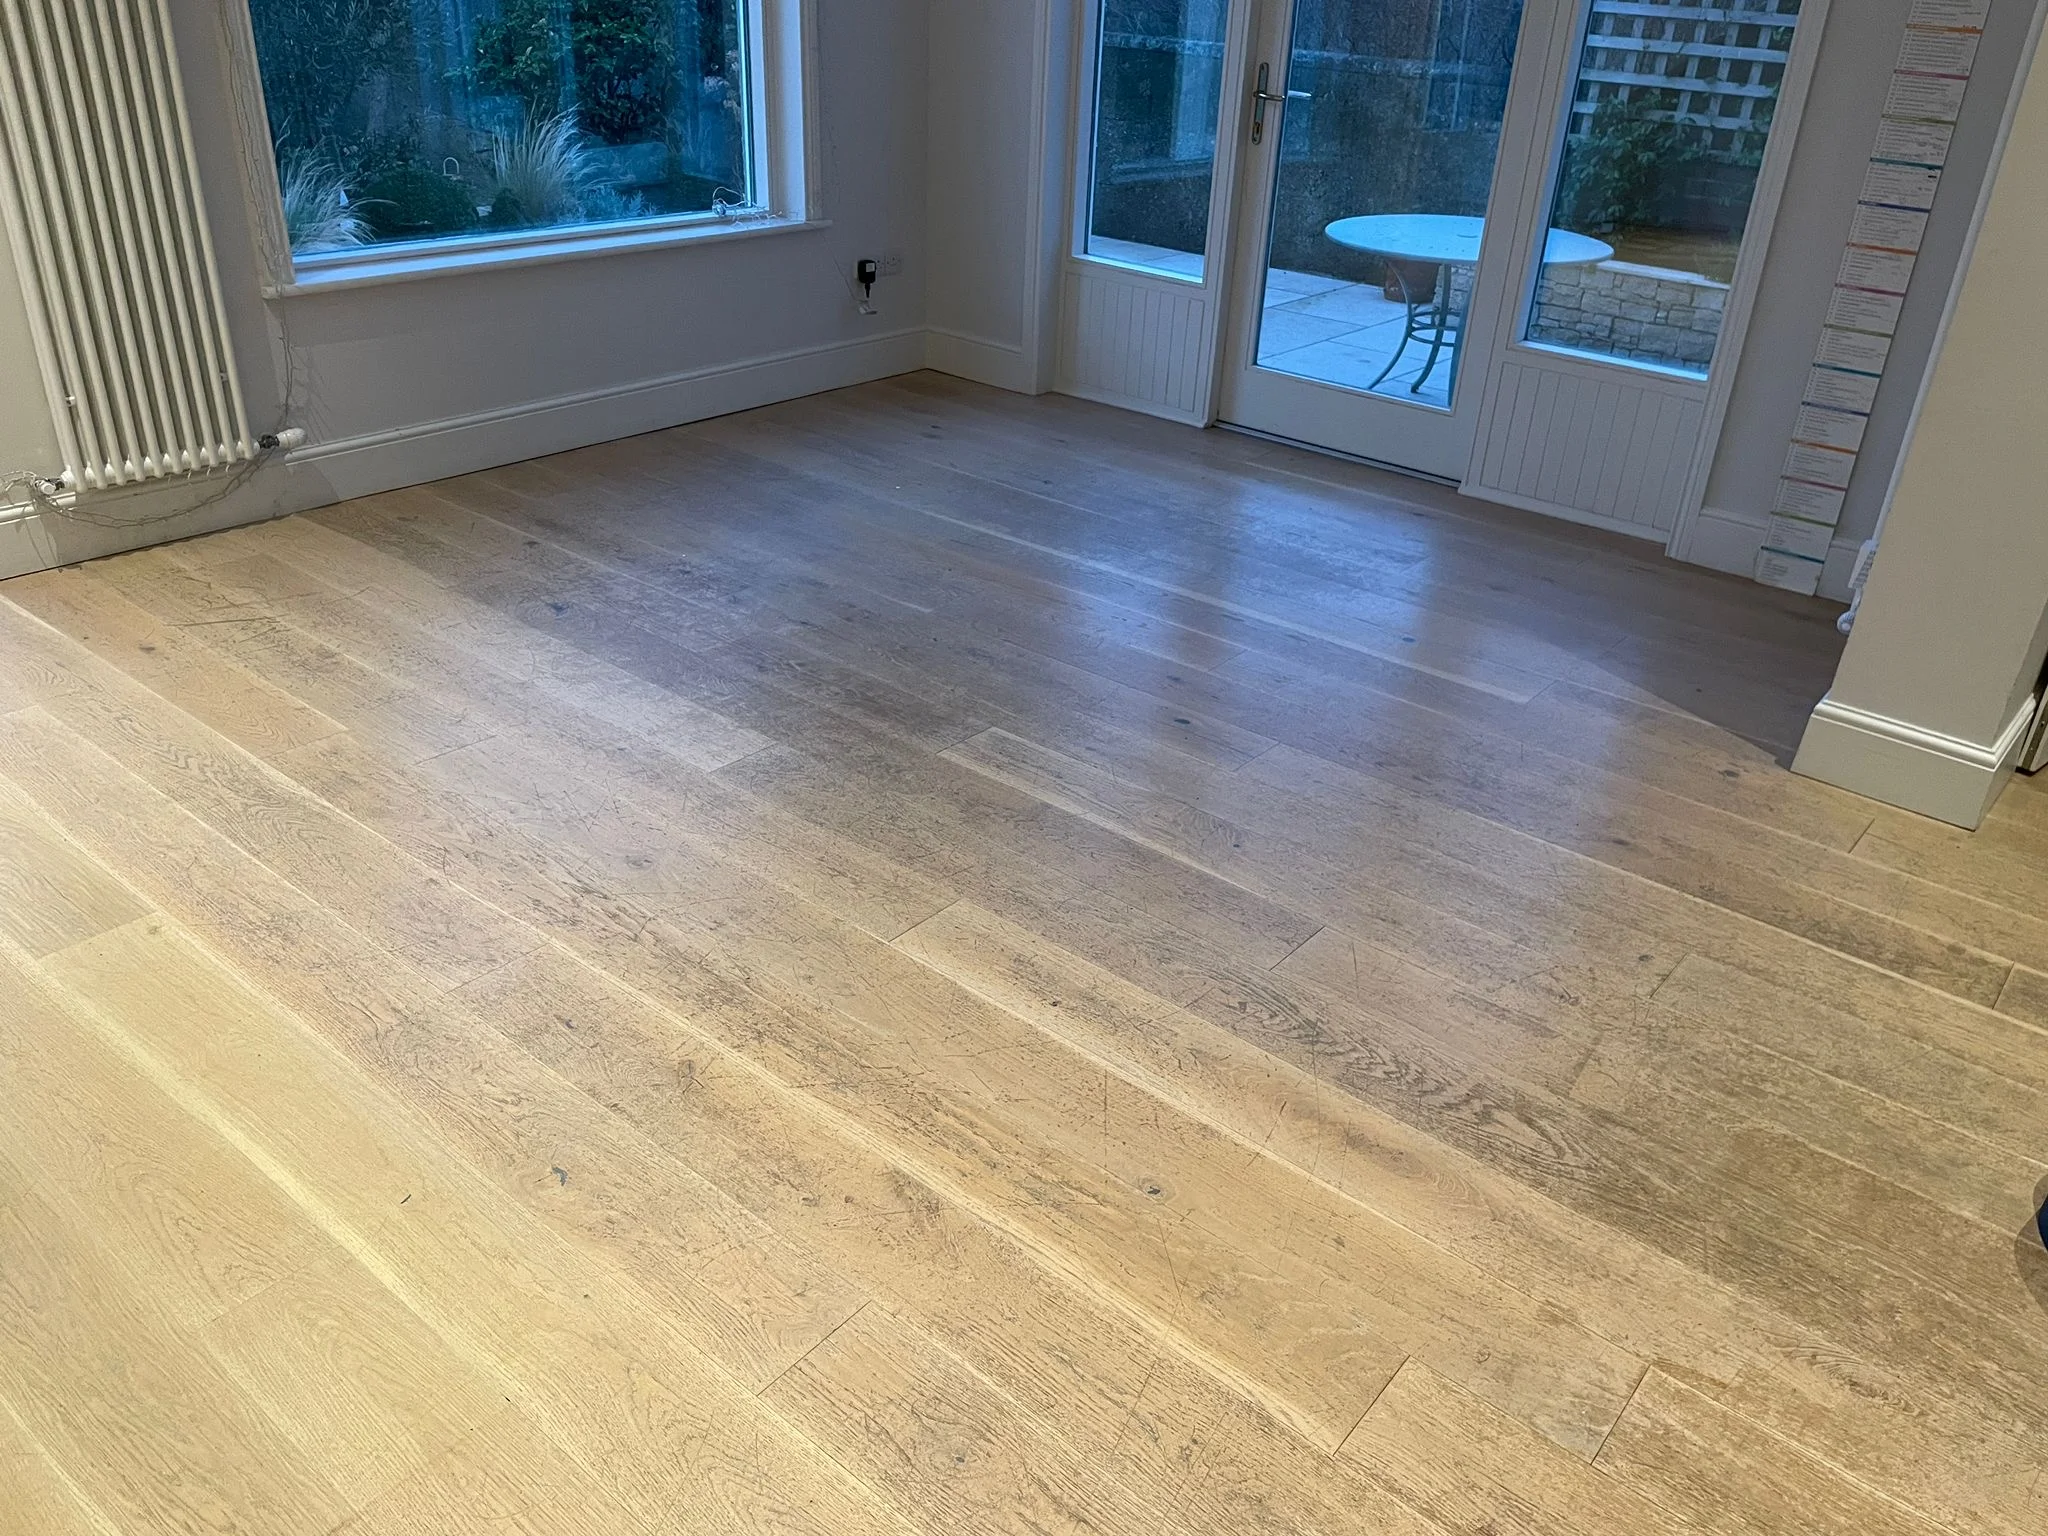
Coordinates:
(921, 961)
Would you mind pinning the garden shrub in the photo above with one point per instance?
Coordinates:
(317, 56)
(410, 202)
(1636, 168)
(616, 65)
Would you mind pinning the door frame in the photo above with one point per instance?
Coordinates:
(1772, 176)
(1127, 335)
(1257, 192)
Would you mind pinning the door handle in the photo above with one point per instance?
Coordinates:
(1261, 95)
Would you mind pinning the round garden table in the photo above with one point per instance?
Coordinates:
(1442, 241)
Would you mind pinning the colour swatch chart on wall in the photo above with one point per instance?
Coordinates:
(1920, 112)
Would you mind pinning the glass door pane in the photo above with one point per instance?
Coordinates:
(1158, 88)
(1388, 137)
(1663, 144)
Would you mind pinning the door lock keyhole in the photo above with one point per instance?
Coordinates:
(1262, 94)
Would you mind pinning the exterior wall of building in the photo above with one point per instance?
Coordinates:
(1619, 309)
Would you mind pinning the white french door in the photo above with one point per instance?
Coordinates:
(1421, 232)
(1369, 262)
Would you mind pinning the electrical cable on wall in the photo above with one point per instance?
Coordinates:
(48, 494)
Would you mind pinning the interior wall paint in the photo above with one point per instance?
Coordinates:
(999, 130)
(456, 362)
(28, 443)
(441, 348)
(1936, 686)
(1858, 50)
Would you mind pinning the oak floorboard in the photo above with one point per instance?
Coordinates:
(1681, 1449)
(921, 960)
(1609, 902)
(987, 1086)
(1161, 1411)
(35, 1492)
(881, 896)
(1719, 1090)
(2026, 996)
(1127, 509)
(1111, 1194)
(1026, 652)
(506, 1477)
(610, 1376)
(191, 1223)
(139, 1418)
(1479, 1472)
(1477, 529)
(1126, 525)
(903, 1416)
(163, 655)
(363, 1387)
(1183, 1438)
(51, 896)
(752, 1309)
(1862, 907)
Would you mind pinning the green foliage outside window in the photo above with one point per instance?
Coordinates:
(619, 54)
(419, 119)
(316, 56)
(1636, 167)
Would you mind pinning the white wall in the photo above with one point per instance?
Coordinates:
(424, 378)
(28, 443)
(1935, 689)
(1000, 130)
(1857, 53)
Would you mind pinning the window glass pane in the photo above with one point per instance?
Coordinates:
(1669, 119)
(403, 120)
(1158, 86)
(1386, 158)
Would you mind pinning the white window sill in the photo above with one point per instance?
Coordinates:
(1668, 372)
(368, 266)
(1085, 261)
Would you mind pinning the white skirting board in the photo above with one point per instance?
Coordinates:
(34, 540)
(1726, 540)
(435, 450)
(323, 473)
(1904, 765)
(998, 364)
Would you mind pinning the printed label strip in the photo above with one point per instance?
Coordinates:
(1920, 111)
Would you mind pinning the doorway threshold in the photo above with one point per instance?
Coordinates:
(1337, 453)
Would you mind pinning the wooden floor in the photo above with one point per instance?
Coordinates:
(925, 961)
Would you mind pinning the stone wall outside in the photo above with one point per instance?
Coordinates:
(1619, 309)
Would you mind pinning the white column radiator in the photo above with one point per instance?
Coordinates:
(102, 197)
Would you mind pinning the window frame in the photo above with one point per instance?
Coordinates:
(782, 86)
(1795, 78)
(1087, 64)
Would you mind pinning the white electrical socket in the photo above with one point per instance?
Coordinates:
(892, 264)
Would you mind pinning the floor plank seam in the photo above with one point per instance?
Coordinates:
(1304, 944)
(1634, 1393)
(1337, 1451)
(816, 1345)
